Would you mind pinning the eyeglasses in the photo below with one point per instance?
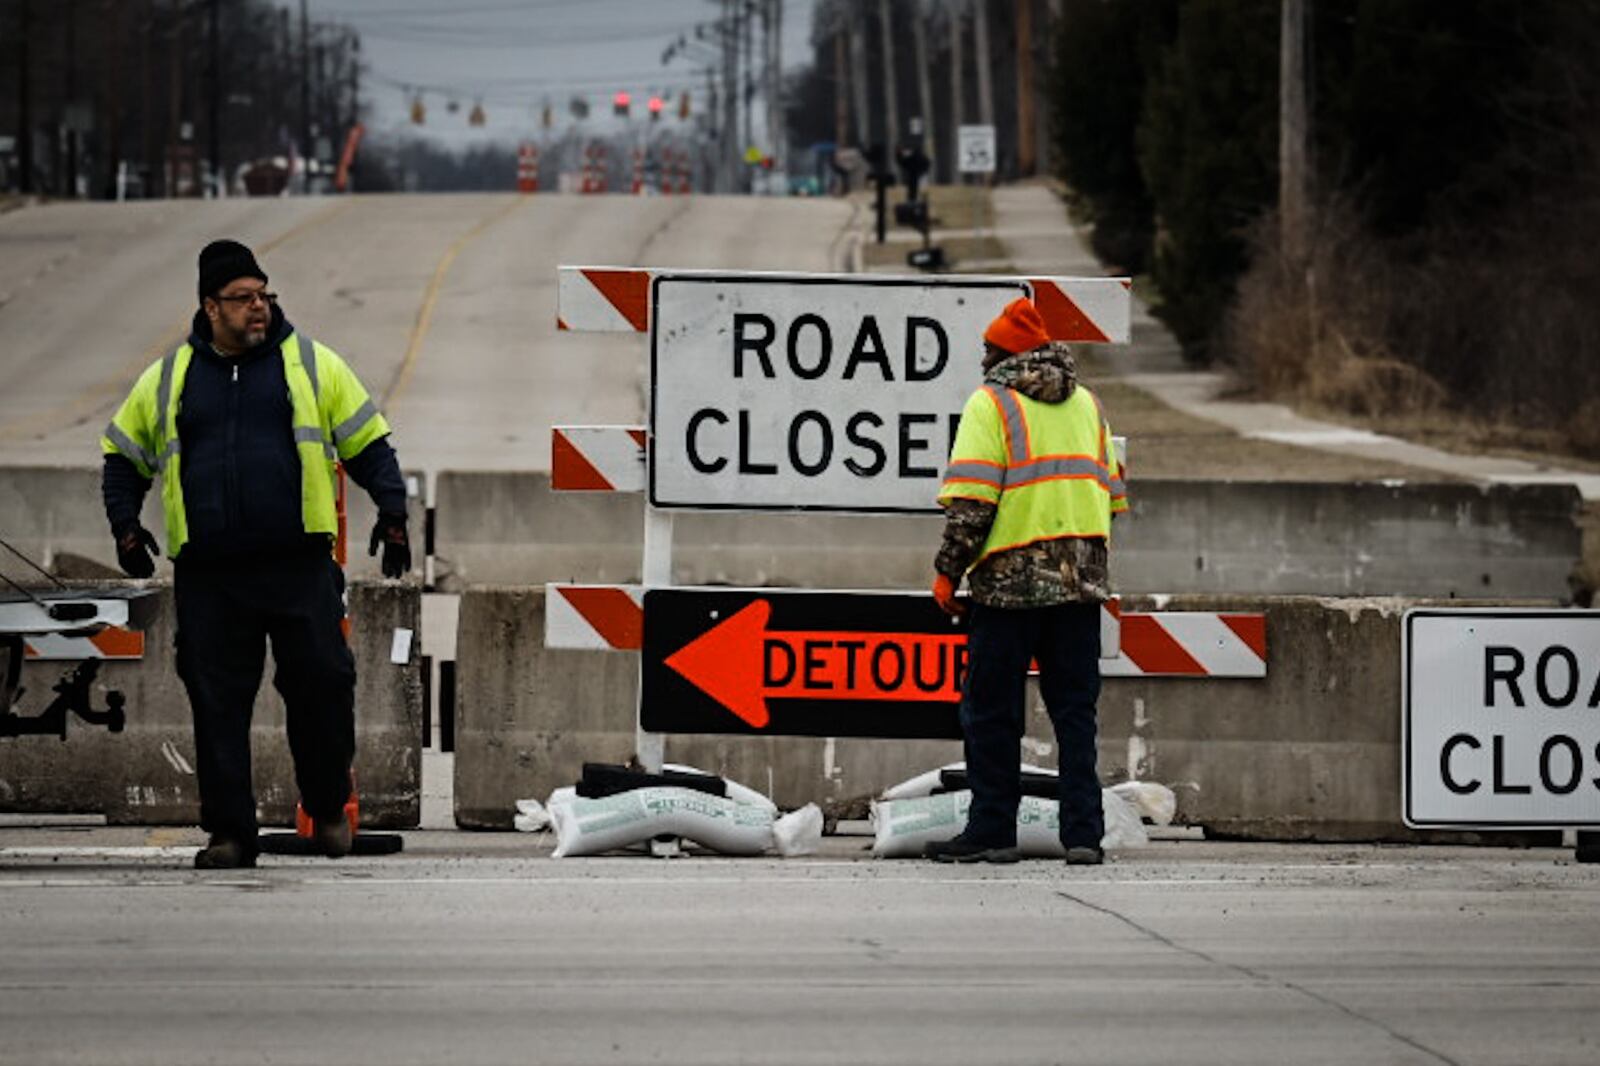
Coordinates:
(245, 299)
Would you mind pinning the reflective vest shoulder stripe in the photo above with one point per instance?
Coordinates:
(1016, 424)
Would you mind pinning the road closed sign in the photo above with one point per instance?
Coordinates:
(811, 392)
(1501, 720)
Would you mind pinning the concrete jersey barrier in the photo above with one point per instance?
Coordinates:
(1231, 537)
(145, 775)
(1310, 753)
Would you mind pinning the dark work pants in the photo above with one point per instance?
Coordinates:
(226, 614)
(1065, 640)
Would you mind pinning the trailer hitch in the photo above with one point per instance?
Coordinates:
(72, 697)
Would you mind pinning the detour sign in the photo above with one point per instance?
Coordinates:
(791, 663)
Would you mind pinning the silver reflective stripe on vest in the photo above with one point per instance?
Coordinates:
(352, 425)
(164, 391)
(968, 470)
(313, 434)
(1041, 469)
(308, 359)
(128, 446)
(172, 448)
(1016, 424)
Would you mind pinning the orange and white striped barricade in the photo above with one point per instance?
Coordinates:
(608, 299)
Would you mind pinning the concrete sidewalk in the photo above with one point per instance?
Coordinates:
(1032, 224)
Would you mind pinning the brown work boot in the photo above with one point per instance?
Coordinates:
(333, 836)
(224, 853)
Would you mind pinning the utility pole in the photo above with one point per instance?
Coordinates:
(730, 94)
(1292, 171)
(214, 84)
(24, 102)
(841, 87)
(891, 108)
(1025, 89)
(305, 84)
(175, 62)
(980, 41)
(113, 100)
(858, 79)
(747, 80)
(355, 79)
(919, 41)
(777, 132)
(67, 176)
(958, 95)
(147, 74)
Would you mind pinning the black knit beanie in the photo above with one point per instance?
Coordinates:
(224, 261)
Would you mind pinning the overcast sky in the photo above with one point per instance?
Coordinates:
(517, 54)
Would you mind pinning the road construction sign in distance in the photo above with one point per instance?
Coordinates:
(811, 391)
(795, 663)
(975, 149)
(1501, 723)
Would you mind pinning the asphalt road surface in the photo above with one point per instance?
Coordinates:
(1189, 952)
(445, 305)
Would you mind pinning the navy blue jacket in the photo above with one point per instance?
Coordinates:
(241, 472)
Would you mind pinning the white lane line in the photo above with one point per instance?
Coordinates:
(92, 852)
(591, 882)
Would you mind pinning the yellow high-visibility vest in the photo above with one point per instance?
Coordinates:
(1048, 467)
(334, 419)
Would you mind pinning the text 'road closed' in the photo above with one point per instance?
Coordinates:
(1502, 718)
(797, 393)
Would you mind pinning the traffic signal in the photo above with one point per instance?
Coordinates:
(620, 104)
(655, 108)
(683, 105)
(419, 112)
(477, 118)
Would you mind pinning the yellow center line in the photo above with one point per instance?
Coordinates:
(82, 407)
(419, 329)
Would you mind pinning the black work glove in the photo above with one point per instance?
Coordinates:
(134, 545)
(390, 531)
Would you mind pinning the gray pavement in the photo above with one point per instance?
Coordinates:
(445, 305)
(475, 949)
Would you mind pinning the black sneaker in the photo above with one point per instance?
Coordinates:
(1085, 856)
(960, 849)
(224, 853)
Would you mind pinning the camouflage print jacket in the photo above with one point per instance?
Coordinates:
(1045, 573)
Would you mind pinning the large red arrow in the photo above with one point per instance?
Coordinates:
(741, 664)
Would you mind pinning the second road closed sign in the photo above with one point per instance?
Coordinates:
(812, 392)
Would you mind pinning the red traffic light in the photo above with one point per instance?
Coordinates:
(620, 103)
(655, 105)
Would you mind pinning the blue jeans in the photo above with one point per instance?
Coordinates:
(1065, 639)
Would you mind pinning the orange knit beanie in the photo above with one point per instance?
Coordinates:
(1020, 328)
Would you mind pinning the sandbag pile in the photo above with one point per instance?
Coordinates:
(932, 807)
(615, 807)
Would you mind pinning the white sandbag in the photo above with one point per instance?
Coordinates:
(798, 832)
(1155, 802)
(563, 795)
(903, 827)
(531, 817)
(1124, 827)
(592, 826)
(736, 792)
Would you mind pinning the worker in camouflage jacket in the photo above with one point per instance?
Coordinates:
(1029, 495)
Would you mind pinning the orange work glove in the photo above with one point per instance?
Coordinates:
(944, 594)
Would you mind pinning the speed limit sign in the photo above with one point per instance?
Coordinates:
(975, 147)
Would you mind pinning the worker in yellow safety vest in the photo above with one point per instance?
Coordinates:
(1029, 495)
(244, 423)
